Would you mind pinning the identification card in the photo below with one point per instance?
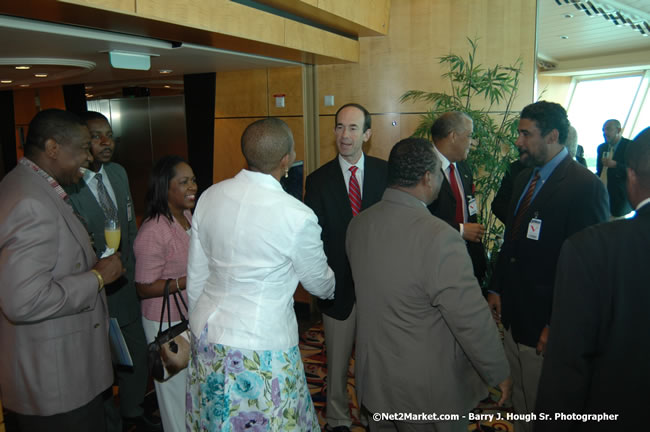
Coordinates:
(471, 206)
(129, 211)
(534, 228)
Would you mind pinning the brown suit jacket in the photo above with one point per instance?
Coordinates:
(425, 339)
(54, 324)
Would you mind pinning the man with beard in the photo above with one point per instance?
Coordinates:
(553, 198)
(611, 168)
(104, 193)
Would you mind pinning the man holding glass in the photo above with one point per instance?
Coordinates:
(611, 168)
(103, 199)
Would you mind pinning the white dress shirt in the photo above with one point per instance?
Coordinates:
(445, 169)
(251, 243)
(89, 178)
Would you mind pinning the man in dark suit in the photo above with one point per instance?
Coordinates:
(595, 363)
(552, 199)
(336, 192)
(89, 199)
(55, 360)
(456, 204)
(610, 167)
(419, 303)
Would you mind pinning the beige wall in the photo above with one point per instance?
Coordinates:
(554, 88)
(420, 31)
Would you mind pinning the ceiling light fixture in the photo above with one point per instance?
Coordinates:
(23, 67)
(564, 37)
(167, 86)
(6, 81)
(40, 75)
(165, 71)
(130, 60)
(24, 85)
(568, 15)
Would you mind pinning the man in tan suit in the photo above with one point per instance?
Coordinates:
(54, 322)
(426, 342)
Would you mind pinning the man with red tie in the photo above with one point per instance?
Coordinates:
(456, 204)
(337, 192)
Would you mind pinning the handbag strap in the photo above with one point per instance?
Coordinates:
(178, 295)
(166, 304)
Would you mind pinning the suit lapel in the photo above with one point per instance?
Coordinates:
(338, 188)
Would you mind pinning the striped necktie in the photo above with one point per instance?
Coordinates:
(105, 201)
(523, 206)
(354, 192)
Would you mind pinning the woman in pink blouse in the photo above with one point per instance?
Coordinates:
(161, 249)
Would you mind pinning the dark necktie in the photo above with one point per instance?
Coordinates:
(354, 192)
(523, 206)
(460, 217)
(105, 201)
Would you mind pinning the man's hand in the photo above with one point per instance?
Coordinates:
(506, 388)
(494, 302)
(543, 340)
(609, 163)
(473, 232)
(110, 268)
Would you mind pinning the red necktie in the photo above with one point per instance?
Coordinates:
(460, 218)
(354, 192)
(523, 206)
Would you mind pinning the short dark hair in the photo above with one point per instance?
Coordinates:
(637, 157)
(409, 160)
(447, 123)
(367, 121)
(548, 116)
(50, 124)
(93, 115)
(157, 192)
(265, 142)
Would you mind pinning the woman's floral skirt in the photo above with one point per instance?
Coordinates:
(232, 389)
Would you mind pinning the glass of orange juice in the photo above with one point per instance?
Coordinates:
(112, 233)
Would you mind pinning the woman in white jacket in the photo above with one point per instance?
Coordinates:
(251, 244)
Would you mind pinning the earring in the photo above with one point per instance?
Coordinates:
(286, 173)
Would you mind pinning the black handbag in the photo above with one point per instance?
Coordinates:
(169, 353)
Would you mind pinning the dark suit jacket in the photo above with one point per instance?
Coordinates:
(616, 178)
(501, 201)
(595, 361)
(444, 207)
(123, 302)
(572, 199)
(326, 194)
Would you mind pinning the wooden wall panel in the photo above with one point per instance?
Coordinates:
(287, 81)
(296, 124)
(51, 97)
(24, 106)
(420, 32)
(228, 158)
(241, 94)
(127, 6)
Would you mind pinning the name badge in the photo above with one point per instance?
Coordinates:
(534, 229)
(129, 211)
(471, 206)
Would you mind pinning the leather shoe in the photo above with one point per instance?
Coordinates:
(329, 428)
(142, 424)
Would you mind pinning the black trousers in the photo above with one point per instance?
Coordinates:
(89, 417)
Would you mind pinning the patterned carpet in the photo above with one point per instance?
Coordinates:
(313, 356)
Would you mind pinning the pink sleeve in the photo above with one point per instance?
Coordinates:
(150, 251)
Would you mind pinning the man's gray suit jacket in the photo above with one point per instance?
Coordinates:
(426, 341)
(123, 302)
(54, 324)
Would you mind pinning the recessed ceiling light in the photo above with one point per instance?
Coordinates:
(165, 71)
(40, 75)
(6, 81)
(564, 37)
(88, 87)
(23, 67)
(568, 15)
(89, 95)
(167, 86)
(24, 85)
